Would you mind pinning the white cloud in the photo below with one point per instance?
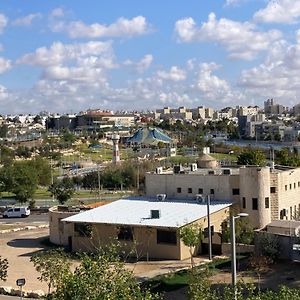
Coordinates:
(142, 65)
(241, 40)
(121, 28)
(57, 13)
(27, 20)
(175, 74)
(278, 75)
(280, 11)
(234, 2)
(59, 53)
(5, 65)
(3, 22)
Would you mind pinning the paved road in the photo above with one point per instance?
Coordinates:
(33, 219)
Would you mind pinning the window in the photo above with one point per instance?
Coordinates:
(294, 185)
(178, 190)
(267, 202)
(166, 237)
(200, 191)
(273, 189)
(298, 183)
(212, 191)
(290, 186)
(17, 209)
(235, 191)
(254, 203)
(205, 231)
(244, 202)
(291, 212)
(190, 190)
(82, 229)
(285, 187)
(125, 234)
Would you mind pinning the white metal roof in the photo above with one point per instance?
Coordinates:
(137, 212)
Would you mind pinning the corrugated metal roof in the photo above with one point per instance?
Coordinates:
(137, 212)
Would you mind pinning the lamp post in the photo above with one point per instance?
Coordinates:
(209, 228)
(233, 248)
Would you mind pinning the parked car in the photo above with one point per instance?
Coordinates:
(17, 212)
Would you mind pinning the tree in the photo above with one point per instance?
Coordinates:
(3, 268)
(62, 190)
(42, 169)
(252, 157)
(191, 236)
(268, 245)
(19, 178)
(52, 265)
(100, 276)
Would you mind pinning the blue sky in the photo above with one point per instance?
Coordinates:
(64, 56)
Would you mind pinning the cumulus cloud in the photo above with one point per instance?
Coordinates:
(121, 28)
(175, 74)
(59, 53)
(241, 40)
(5, 65)
(234, 2)
(3, 22)
(277, 76)
(142, 65)
(57, 13)
(280, 11)
(27, 20)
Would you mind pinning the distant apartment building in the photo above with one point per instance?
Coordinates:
(265, 193)
(273, 108)
(181, 113)
(247, 110)
(296, 110)
(247, 124)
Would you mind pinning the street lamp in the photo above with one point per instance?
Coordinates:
(207, 200)
(233, 249)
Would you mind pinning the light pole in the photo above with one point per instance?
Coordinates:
(233, 249)
(209, 228)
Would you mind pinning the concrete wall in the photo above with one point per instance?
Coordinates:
(168, 184)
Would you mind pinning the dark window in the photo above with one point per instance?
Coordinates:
(82, 229)
(17, 209)
(298, 183)
(285, 187)
(178, 190)
(166, 237)
(294, 185)
(125, 234)
(244, 202)
(267, 202)
(254, 203)
(290, 186)
(205, 231)
(273, 189)
(235, 191)
(190, 190)
(200, 191)
(212, 191)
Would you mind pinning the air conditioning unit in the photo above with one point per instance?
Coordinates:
(161, 197)
(211, 172)
(193, 167)
(155, 213)
(159, 170)
(200, 198)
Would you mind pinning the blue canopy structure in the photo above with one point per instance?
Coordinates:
(150, 136)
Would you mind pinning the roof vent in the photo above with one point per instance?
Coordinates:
(155, 213)
(161, 197)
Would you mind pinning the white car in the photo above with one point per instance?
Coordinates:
(17, 212)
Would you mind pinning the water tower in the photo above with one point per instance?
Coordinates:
(116, 155)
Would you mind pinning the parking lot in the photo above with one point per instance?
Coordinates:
(35, 218)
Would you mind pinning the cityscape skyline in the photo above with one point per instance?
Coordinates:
(64, 57)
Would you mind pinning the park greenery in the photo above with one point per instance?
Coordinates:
(62, 190)
(252, 157)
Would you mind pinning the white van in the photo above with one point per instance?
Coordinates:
(17, 212)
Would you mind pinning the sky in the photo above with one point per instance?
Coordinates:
(72, 55)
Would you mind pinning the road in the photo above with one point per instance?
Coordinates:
(34, 219)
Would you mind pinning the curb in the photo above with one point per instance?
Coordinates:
(23, 228)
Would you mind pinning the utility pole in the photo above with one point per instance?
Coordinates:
(209, 228)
